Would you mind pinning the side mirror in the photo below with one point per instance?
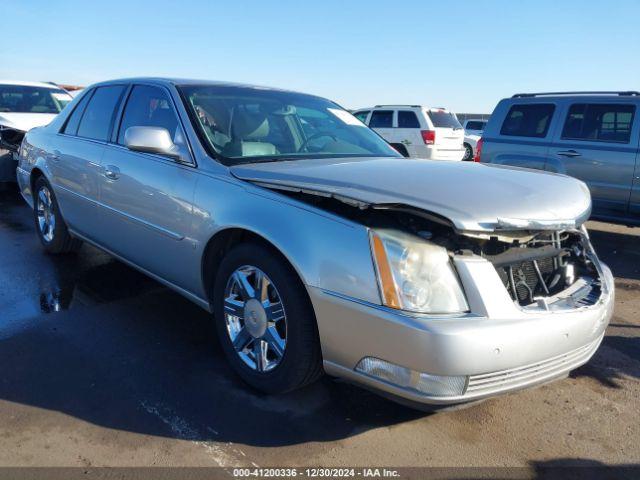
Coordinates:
(151, 140)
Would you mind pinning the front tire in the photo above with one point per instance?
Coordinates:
(50, 226)
(265, 320)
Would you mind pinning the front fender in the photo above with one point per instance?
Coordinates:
(328, 252)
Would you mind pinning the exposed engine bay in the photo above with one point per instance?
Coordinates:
(533, 265)
(10, 139)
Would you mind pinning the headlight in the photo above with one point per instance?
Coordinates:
(415, 275)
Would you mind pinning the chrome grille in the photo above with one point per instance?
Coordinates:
(505, 379)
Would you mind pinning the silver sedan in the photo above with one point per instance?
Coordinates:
(318, 248)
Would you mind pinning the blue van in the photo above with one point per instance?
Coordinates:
(593, 136)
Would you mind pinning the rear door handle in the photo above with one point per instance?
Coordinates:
(568, 153)
(55, 155)
(111, 172)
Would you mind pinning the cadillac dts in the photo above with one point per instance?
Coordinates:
(317, 247)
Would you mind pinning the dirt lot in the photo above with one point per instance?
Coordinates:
(102, 366)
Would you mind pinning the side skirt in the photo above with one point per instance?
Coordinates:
(185, 293)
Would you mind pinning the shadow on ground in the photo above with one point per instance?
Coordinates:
(616, 358)
(153, 366)
(583, 469)
(621, 251)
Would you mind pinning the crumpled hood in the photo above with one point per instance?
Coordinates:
(25, 121)
(473, 196)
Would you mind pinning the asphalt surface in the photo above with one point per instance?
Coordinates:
(101, 366)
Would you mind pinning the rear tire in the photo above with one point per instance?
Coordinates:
(468, 153)
(401, 149)
(247, 334)
(50, 226)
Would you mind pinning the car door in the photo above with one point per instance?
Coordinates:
(594, 145)
(522, 138)
(74, 161)
(634, 201)
(382, 122)
(409, 132)
(147, 198)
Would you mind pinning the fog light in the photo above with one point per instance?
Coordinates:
(432, 385)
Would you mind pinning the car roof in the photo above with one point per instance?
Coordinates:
(30, 84)
(559, 96)
(195, 82)
(404, 107)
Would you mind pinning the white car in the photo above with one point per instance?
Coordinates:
(473, 129)
(417, 131)
(23, 106)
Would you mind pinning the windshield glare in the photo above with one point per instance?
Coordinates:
(27, 99)
(244, 124)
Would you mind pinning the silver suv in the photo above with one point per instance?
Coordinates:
(593, 136)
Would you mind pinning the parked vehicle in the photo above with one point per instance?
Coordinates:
(593, 136)
(317, 247)
(416, 131)
(24, 105)
(473, 129)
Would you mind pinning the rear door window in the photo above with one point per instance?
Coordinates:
(407, 119)
(98, 117)
(599, 122)
(362, 116)
(381, 119)
(529, 120)
(443, 119)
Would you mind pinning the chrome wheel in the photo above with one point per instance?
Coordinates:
(46, 216)
(255, 318)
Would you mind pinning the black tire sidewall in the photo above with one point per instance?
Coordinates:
(302, 340)
(468, 152)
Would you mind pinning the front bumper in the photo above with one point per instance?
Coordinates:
(505, 349)
(434, 153)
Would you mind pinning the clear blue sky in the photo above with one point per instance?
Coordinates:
(462, 55)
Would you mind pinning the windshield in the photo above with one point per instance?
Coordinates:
(27, 99)
(444, 119)
(244, 125)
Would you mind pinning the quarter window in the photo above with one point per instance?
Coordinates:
(98, 117)
(381, 119)
(362, 116)
(407, 119)
(530, 120)
(71, 128)
(599, 122)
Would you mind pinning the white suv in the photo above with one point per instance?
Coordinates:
(416, 131)
(473, 129)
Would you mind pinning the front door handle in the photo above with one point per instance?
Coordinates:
(568, 153)
(111, 172)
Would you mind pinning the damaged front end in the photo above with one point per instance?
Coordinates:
(541, 265)
(10, 141)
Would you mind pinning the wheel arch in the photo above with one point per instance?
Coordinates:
(222, 242)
